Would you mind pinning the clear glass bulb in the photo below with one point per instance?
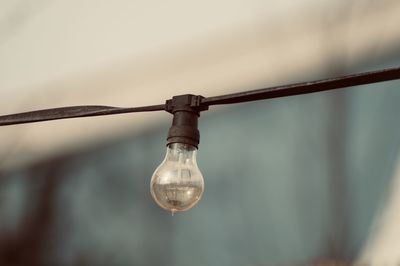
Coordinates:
(177, 184)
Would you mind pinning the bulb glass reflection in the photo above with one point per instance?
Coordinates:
(177, 184)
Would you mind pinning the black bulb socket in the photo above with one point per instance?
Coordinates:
(186, 111)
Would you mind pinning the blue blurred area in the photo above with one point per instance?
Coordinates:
(287, 182)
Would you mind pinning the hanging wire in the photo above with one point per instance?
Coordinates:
(72, 112)
(306, 87)
(246, 96)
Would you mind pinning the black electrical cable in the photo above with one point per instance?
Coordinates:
(71, 112)
(252, 95)
(306, 87)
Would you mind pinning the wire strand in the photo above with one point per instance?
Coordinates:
(305, 87)
(72, 112)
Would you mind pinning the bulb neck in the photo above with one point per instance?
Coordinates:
(182, 153)
(186, 110)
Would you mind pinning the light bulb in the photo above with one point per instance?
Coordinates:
(177, 184)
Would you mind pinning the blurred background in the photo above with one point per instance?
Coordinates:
(304, 180)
